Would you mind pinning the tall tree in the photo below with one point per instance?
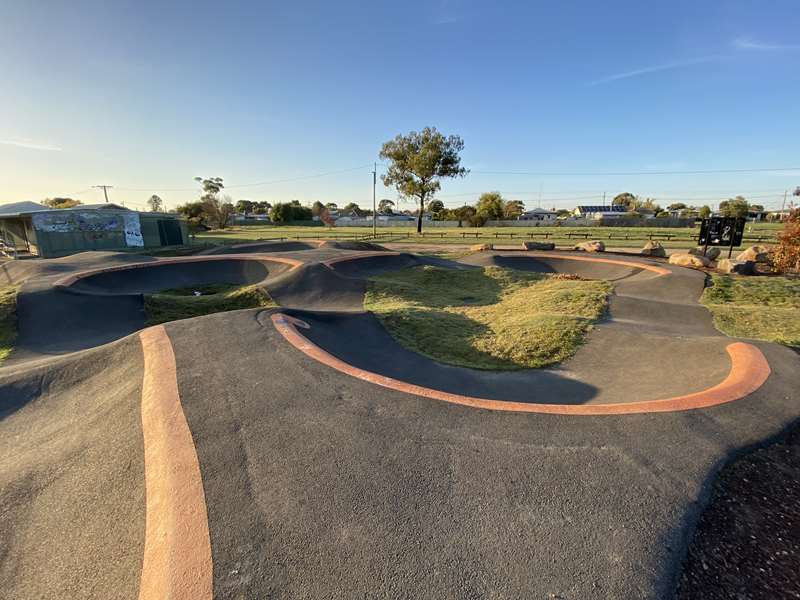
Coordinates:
(155, 203)
(704, 212)
(418, 161)
(218, 212)
(513, 209)
(490, 206)
(626, 199)
(735, 207)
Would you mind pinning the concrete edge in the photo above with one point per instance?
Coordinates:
(749, 370)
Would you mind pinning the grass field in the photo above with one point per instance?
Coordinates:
(612, 236)
(487, 318)
(182, 303)
(8, 320)
(763, 308)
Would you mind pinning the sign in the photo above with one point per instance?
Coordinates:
(721, 231)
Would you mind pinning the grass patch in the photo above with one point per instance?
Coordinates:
(488, 318)
(762, 308)
(182, 303)
(8, 319)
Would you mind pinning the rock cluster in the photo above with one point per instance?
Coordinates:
(593, 246)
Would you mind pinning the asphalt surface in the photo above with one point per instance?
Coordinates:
(318, 484)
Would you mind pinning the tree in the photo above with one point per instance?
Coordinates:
(155, 203)
(435, 207)
(418, 161)
(735, 207)
(626, 199)
(704, 212)
(61, 202)
(513, 209)
(261, 208)
(467, 213)
(676, 206)
(385, 207)
(245, 206)
(193, 211)
(218, 211)
(757, 207)
(349, 208)
(490, 206)
(317, 208)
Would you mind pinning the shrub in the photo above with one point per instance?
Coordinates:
(785, 256)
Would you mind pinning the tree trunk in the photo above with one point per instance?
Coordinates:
(419, 216)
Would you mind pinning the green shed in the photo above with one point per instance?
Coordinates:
(50, 233)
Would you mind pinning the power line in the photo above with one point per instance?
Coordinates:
(253, 184)
(633, 173)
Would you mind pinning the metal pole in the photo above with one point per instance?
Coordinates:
(374, 207)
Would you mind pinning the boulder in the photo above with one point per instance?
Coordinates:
(711, 254)
(481, 247)
(593, 246)
(689, 260)
(538, 246)
(739, 267)
(652, 248)
(759, 254)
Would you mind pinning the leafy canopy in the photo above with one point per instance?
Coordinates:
(418, 161)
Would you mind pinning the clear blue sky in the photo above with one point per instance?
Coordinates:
(145, 95)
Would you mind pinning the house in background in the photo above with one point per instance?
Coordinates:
(31, 229)
(600, 212)
(539, 214)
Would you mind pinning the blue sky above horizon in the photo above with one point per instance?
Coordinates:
(145, 96)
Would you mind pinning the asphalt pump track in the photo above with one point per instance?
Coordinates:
(302, 452)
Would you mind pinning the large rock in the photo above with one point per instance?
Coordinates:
(653, 248)
(739, 267)
(689, 260)
(711, 254)
(593, 246)
(481, 247)
(538, 245)
(759, 254)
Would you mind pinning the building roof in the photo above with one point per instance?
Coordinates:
(540, 211)
(593, 209)
(17, 208)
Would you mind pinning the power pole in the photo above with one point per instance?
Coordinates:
(604, 199)
(105, 189)
(374, 207)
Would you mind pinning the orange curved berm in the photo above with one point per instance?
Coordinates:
(749, 370)
(177, 548)
(74, 277)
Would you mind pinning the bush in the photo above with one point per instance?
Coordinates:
(785, 256)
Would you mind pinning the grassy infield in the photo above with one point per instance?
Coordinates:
(487, 318)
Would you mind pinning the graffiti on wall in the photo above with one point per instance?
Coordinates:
(95, 223)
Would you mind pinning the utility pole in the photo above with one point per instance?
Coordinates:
(785, 193)
(374, 207)
(105, 189)
(604, 199)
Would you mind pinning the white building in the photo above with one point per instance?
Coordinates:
(539, 214)
(600, 212)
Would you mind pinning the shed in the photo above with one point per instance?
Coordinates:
(34, 229)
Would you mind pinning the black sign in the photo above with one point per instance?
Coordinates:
(721, 231)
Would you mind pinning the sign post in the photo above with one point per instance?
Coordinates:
(721, 231)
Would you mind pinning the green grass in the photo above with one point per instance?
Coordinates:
(626, 237)
(181, 303)
(8, 319)
(762, 308)
(489, 318)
